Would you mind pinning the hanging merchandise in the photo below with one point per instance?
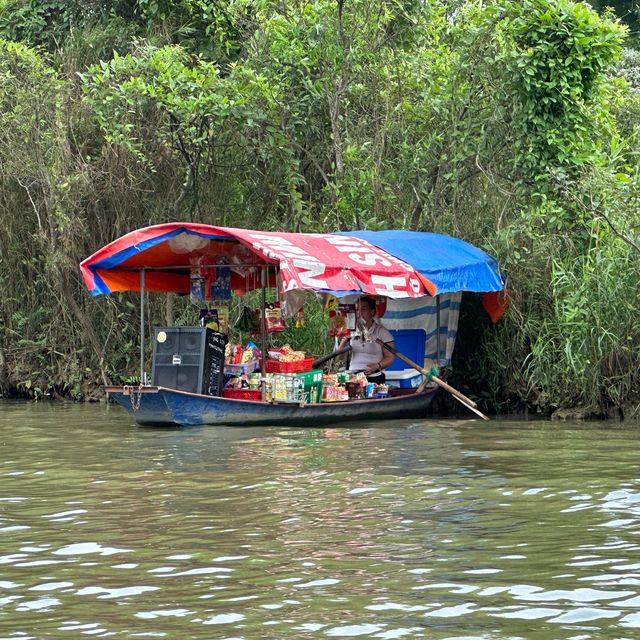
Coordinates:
(273, 318)
(209, 319)
(330, 302)
(216, 319)
(300, 318)
(206, 271)
(196, 292)
(348, 312)
(223, 320)
(337, 325)
(246, 321)
(342, 322)
(221, 283)
(292, 301)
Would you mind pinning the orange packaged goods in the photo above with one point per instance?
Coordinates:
(273, 318)
(286, 360)
(343, 321)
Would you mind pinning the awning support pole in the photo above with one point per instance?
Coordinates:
(263, 321)
(142, 373)
(438, 331)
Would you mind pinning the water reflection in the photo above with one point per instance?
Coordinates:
(405, 530)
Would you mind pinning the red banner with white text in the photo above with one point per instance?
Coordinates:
(336, 263)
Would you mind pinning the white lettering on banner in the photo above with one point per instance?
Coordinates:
(293, 250)
(369, 259)
(276, 246)
(288, 282)
(334, 239)
(307, 267)
(354, 246)
(338, 241)
(347, 243)
(296, 252)
(263, 236)
(389, 284)
(308, 277)
(401, 263)
(345, 248)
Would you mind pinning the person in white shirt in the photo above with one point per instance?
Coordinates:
(366, 354)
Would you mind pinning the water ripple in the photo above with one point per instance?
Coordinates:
(442, 530)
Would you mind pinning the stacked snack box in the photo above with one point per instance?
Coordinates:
(308, 387)
(350, 386)
(311, 385)
(333, 389)
(285, 387)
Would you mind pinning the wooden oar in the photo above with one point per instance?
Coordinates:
(338, 352)
(441, 383)
(477, 411)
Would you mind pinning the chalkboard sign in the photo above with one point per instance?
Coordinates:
(213, 375)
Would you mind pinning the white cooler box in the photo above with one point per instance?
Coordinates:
(403, 379)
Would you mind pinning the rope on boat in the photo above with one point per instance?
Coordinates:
(430, 373)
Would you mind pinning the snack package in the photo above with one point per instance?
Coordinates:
(196, 291)
(292, 356)
(337, 325)
(273, 318)
(256, 353)
(223, 320)
(330, 303)
(216, 319)
(220, 283)
(209, 319)
(360, 378)
(342, 322)
(202, 273)
(348, 312)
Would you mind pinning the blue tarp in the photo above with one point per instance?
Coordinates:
(451, 264)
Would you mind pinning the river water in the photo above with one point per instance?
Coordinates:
(456, 529)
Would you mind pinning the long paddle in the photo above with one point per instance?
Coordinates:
(467, 402)
(338, 352)
(476, 411)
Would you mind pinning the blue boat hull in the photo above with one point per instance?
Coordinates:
(169, 407)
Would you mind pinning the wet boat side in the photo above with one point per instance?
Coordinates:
(162, 406)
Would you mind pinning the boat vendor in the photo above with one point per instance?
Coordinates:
(366, 354)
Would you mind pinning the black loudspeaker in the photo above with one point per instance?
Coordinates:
(188, 359)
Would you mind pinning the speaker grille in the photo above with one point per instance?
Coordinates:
(188, 359)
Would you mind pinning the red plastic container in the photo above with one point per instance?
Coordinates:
(299, 366)
(242, 394)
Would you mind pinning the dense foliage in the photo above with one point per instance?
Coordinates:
(512, 124)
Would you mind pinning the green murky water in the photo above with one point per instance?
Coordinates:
(410, 529)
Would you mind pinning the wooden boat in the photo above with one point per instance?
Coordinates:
(394, 264)
(159, 406)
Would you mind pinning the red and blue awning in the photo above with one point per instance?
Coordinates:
(395, 264)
